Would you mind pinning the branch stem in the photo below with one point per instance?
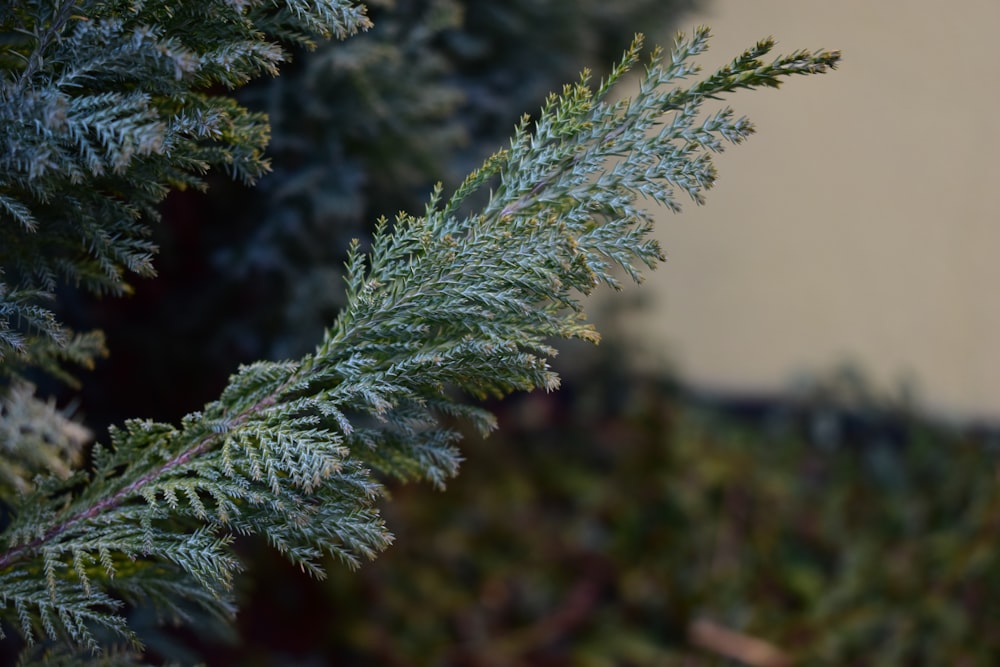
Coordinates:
(119, 497)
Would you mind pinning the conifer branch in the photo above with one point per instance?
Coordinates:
(441, 307)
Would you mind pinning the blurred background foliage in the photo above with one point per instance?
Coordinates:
(621, 521)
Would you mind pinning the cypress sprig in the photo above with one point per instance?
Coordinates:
(440, 307)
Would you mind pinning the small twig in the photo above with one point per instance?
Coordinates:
(713, 637)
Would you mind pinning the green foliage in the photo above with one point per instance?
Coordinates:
(104, 109)
(462, 301)
(35, 438)
(362, 129)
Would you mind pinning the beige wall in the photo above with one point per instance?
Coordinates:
(860, 224)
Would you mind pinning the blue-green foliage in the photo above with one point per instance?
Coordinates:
(364, 128)
(103, 108)
(443, 306)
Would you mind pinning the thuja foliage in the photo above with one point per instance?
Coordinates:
(359, 129)
(110, 104)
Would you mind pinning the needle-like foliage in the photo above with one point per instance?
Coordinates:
(104, 109)
(462, 301)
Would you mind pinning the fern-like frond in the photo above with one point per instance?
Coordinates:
(441, 307)
(58, 609)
